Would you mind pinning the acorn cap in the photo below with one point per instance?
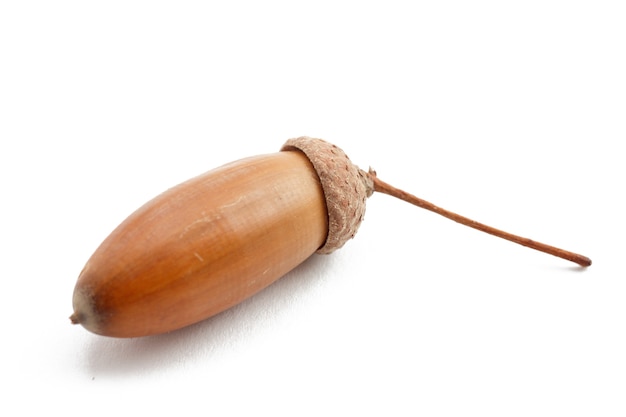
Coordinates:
(346, 188)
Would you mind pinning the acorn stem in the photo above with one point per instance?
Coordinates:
(388, 189)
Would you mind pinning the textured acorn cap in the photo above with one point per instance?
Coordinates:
(346, 188)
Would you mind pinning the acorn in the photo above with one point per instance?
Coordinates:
(213, 241)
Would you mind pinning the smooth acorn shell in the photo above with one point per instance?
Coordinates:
(203, 246)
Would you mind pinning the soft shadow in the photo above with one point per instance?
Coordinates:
(125, 357)
(570, 268)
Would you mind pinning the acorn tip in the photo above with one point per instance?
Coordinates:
(75, 319)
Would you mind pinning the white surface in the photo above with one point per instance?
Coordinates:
(509, 113)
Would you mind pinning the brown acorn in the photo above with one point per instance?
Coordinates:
(215, 240)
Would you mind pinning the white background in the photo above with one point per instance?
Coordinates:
(512, 113)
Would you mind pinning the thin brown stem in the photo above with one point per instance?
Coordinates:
(385, 188)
